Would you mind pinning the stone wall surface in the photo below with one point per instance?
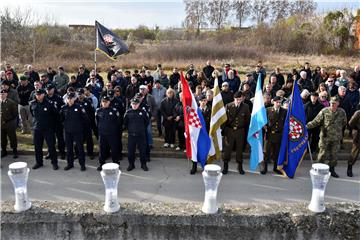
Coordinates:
(87, 220)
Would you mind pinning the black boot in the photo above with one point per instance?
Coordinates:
(264, 171)
(144, 167)
(3, 153)
(130, 167)
(240, 169)
(349, 171)
(333, 173)
(194, 168)
(15, 153)
(62, 155)
(226, 168)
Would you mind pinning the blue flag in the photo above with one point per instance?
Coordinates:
(295, 136)
(257, 122)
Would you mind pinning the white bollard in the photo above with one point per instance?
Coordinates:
(111, 174)
(319, 176)
(212, 176)
(18, 174)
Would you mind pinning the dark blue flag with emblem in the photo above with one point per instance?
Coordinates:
(108, 43)
(294, 140)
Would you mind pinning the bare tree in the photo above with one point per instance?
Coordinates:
(241, 9)
(303, 7)
(196, 14)
(219, 12)
(279, 9)
(260, 10)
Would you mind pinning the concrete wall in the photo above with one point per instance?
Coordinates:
(86, 220)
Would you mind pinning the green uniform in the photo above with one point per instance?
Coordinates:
(331, 133)
(9, 113)
(354, 123)
(234, 130)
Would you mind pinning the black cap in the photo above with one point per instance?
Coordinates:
(238, 94)
(50, 86)
(314, 94)
(71, 95)
(138, 95)
(202, 97)
(23, 78)
(105, 98)
(110, 93)
(135, 100)
(277, 98)
(40, 91)
(80, 90)
(4, 91)
(6, 82)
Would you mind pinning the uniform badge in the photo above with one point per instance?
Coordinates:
(75, 110)
(117, 114)
(140, 113)
(83, 110)
(85, 104)
(45, 109)
(110, 113)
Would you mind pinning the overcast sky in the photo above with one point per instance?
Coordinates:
(127, 14)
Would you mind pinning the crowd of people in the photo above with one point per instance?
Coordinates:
(67, 111)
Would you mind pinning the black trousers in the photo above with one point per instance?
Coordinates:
(170, 134)
(181, 136)
(140, 142)
(314, 137)
(59, 130)
(11, 133)
(107, 142)
(49, 137)
(78, 139)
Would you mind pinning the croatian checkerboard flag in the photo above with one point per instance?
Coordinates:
(198, 142)
(257, 122)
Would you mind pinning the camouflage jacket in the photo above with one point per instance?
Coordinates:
(331, 124)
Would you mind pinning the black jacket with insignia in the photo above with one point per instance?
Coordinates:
(108, 121)
(136, 122)
(75, 118)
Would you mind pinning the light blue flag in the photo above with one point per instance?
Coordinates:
(257, 122)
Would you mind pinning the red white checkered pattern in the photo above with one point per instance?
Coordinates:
(194, 118)
(296, 129)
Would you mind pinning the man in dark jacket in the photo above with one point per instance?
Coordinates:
(208, 69)
(312, 109)
(9, 112)
(24, 90)
(226, 94)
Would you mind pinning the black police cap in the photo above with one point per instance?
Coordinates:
(40, 91)
(135, 100)
(277, 98)
(5, 82)
(80, 91)
(71, 95)
(50, 86)
(105, 98)
(110, 93)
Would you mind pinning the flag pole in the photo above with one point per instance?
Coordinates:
(96, 37)
(311, 158)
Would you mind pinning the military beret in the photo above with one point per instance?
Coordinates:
(80, 90)
(277, 98)
(4, 91)
(135, 100)
(202, 97)
(23, 78)
(50, 86)
(40, 91)
(110, 93)
(71, 95)
(105, 98)
(8, 72)
(238, 94)
(314, 94)
(334, 99)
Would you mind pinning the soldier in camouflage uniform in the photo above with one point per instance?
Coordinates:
(331, 119)
(354, 123)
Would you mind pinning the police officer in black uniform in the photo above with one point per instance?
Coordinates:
(58, 102)
(108, 122)
(136, 121)
(145, 107)
(44, 117)
(121, 108)
(86, 104)
(75, 120)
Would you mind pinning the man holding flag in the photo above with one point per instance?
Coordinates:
(295, 136)
(197, 139)
(257, 122)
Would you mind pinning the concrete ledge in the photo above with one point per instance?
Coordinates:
(86, 220)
